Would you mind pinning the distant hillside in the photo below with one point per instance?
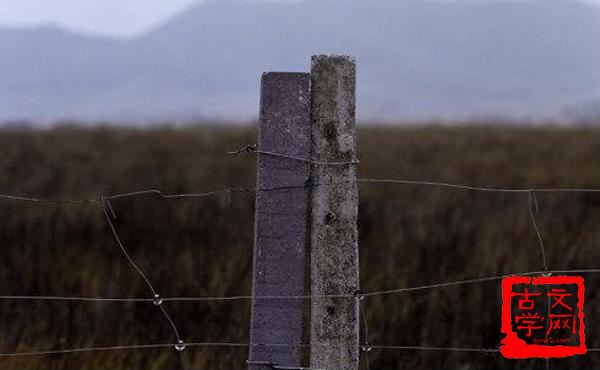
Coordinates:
(417, 60)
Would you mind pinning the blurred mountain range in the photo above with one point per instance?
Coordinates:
(417, 60)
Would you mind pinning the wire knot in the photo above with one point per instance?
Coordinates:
(250, 148)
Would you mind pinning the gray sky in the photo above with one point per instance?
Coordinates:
(121, 18)
(107, 17)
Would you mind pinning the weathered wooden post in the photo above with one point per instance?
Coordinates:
(281, 222)
(334, 235)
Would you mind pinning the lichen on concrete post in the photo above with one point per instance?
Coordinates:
(334, 200)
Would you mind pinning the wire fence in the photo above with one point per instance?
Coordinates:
(156, 299)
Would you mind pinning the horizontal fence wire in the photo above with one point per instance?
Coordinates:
(122, 347)
(132, 194)
(105, 201)
(289, 297)
(226, 191)
(254, 149)
(244, 345)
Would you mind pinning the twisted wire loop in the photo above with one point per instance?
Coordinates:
(253, 148)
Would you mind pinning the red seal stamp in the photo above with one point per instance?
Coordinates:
(542, 317)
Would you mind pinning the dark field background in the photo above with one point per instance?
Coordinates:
(409, 236)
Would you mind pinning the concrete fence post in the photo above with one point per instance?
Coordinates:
(334, 336)
(309, 117)
(281, 221)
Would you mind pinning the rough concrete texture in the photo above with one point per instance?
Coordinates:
(334, 200)
(281, 219)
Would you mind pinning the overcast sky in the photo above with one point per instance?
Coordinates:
(107, 17)
(121, 18)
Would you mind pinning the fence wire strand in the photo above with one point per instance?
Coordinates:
(229, 191)
(534, 210)
(366, 348)
(110, 214)
(244, 345)
(121, 347)
(106, 207)
(290, 297)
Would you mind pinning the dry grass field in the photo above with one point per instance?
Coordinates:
(409, 236)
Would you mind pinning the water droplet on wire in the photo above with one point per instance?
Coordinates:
(180, 346)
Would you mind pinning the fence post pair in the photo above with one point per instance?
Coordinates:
(306, 200)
